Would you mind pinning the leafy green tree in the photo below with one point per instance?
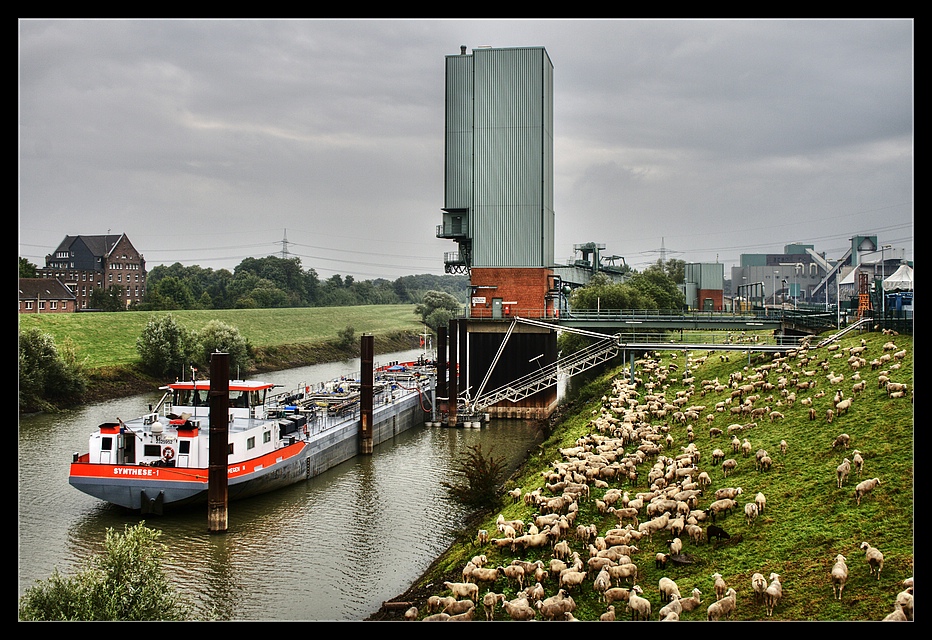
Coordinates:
(109, 299)
(655, 282)
(26, 268)
(217, 336)
(47, 372)
(165, 347)
(125, 583)
(437, 308)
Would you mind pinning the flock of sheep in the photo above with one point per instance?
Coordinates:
(630, 444)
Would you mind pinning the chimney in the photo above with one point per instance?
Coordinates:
(462, 49)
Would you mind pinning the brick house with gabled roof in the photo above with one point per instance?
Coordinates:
(45, 295)
(85, 263)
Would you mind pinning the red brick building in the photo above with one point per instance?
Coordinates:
(85, 263)
(45, 295)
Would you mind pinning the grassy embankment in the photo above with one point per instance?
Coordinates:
(282, 338)
(807, 520)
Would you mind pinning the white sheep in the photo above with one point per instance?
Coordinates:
(865, 487)
(773, 594)
(841, 440)
(692, 602)
(897, 615)
(489, 601)
(639, 606)
(904, 600)
(467, 590)
(857, 461)
(874, 558)
(609, 615)
(842, 471)
(727, 492)
(411, 613)
(839, 576)
(668, 589)
(729, 465)
(761, 502)
(671, 611)
(750, 512)
(758, 586)
(719, 586)
(723, 607)
(459, 606)
(519, 610)
(676, 546)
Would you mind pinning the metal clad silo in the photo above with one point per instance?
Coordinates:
(459, 133)
(512, 210)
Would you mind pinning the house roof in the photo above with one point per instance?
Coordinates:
(97, 245)
(43, 289)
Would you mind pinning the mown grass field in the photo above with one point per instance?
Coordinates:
(104, 340)
(807, 521)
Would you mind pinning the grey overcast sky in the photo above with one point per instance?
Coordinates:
(209, 141)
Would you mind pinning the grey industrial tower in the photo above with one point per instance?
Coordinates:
(498, 208)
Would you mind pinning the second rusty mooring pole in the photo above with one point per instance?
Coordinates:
(217, 480)
(367, 349)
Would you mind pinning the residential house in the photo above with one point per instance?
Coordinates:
(45, 295)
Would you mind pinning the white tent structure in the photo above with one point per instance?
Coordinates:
(899, 280)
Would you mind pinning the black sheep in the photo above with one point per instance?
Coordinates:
(716, 532)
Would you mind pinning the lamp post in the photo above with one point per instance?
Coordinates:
(775, 274)
(783, 282)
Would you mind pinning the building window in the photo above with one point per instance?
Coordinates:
(53, 305)
(28, 305)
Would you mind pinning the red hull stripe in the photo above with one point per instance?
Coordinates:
(180, 474)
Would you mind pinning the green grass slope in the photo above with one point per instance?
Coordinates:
(808, 520)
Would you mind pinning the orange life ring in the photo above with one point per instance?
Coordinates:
(168, 453)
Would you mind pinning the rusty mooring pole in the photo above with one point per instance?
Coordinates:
(217, 481)
(454, 374)
(441, 393)
(367, 349)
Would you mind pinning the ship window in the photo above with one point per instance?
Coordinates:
(251, 443)
(152, 450)
(106, 444)
(184, 447)
(238, 399)
(230, 449)
(267, 437)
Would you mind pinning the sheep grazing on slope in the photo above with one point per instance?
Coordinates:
(874, 558)
(616, 594)
(865, 487)
(758, 586)
(857, 461)
(609, 615)
(842, 471)
(639, 606)
(668, 589)
(773, 593)
(519, 611)
(839, 576)
(723, 607)
(761, 501)
(729, 465)
(672, 608)
(459, 606)
(692, 602)
(719, 586)
(411, 613)
(716, 532)
(489, 601)
(904, 600)
(841, 440)
(750, 512)
(783, 447)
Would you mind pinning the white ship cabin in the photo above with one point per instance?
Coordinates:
(176, 432)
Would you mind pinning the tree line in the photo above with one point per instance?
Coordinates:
(266, 283)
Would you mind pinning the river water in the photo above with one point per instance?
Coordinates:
(332, 548)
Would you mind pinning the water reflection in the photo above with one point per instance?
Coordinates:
(332, 548)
